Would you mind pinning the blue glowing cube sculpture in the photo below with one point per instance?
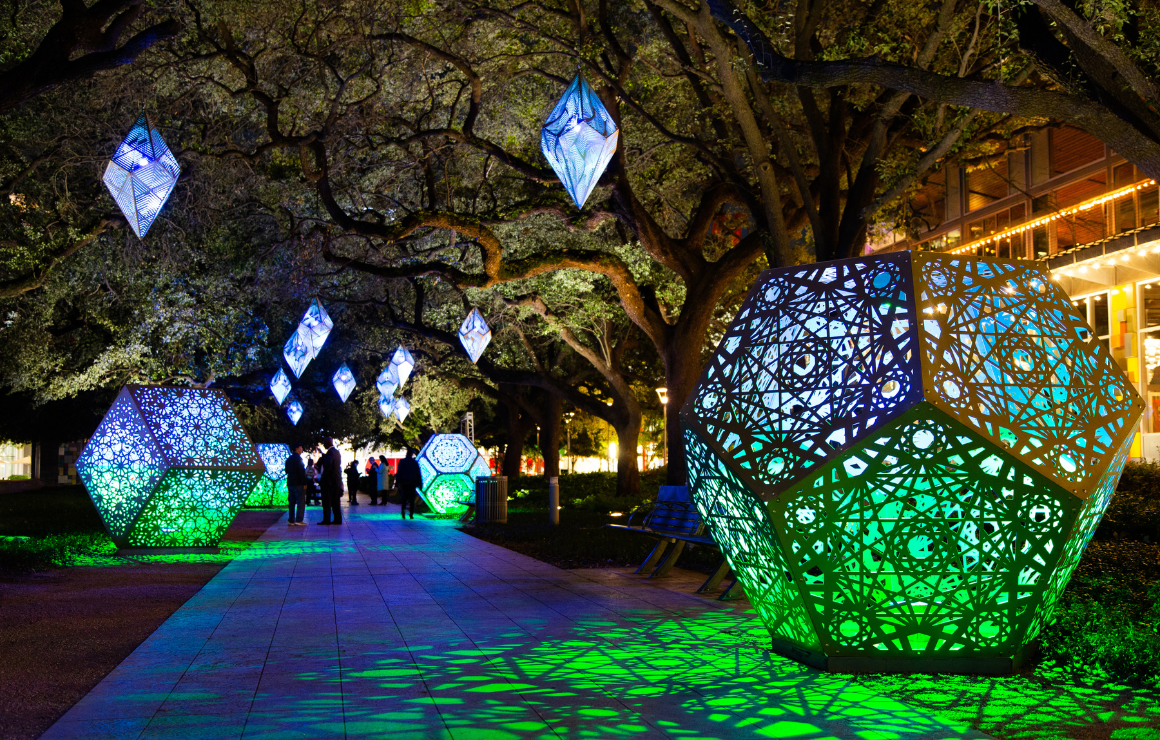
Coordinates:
(402, 409)
(280, 386)
(403, 364)
(169, 467)
(579, 139)
(141, 175)
(343, 381)
(903, 457)
(297, 353)
(294, 411)
(474, 335)
(388, 381)
(271, 489)
(450, 463)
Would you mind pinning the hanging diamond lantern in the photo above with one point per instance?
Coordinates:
(402, 409)
(388, 381)
(280, 386)
(386, 406)
(579, 139)
(474, 334)
(141, 175)
(403, 364)
(294, 411)
(296, 352)
(315, 327)
(343, 381)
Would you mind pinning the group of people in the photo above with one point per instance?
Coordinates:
(323, 479)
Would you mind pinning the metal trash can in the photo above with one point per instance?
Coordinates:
(491, 499)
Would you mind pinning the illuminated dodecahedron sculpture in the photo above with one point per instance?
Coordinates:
(315, 327)
(402, 409)
(169, 467)
(296, 352)
(294, 411)
(579, 139)
(474, 335)
(343, 381)
(271, 489)
(403, 364)
(141, 175)
(450, 464)
(903, 457)
(388, 381)
(280, 386)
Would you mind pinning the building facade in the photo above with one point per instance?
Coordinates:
(1060, 196)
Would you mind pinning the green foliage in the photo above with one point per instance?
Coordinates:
(594, 492)
(52, 551)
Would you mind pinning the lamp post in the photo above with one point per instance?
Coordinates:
(664, 396)
(568, 426)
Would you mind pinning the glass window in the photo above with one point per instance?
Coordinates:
(1149, 205)
(1040, 242)
(1150, 294)
(987, 184)
(1099, 315)
(1072, 148)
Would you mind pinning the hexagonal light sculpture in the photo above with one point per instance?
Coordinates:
(169, 467)
(271, 489)
(903, 457)
(450, 464)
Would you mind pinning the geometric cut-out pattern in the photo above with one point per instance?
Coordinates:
(141, 175)
(169, 467)
(932, 527)
(450, 463)
(271, 488)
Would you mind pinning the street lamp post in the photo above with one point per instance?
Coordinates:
(664, 396)
(568, 426)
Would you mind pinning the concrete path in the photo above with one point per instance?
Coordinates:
(411, 629)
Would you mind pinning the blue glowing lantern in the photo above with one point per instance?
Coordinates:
(402, 409)
(388, 381)
(474, 334)
(315, 327)
(386, 405)
(578, 139)
(280, 386)
(296, 352)
(343, 381)
(294, 411)
(403, 364)
(141, 175)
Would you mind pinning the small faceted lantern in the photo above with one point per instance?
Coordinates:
(141, 175)
(388, 381)
(386, 406)
(402, 409)
(294, 411)
(903, 457)
(296, 352)
(315, 327)
(271, 489)
(579, 139)
(403, 364)
(343, 381)
(280, 386)
(474, 334)
(169, 467)
(450, 464)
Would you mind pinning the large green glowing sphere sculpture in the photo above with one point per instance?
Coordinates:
(169, 467)
(903, 457)
(450, 463)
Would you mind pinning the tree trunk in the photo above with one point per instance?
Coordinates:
(518, 426)
(627, 473)
(682, 358)
(550, 434)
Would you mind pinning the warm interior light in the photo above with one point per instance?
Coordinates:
(615, 513)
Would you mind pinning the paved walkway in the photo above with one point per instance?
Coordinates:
(411, 629)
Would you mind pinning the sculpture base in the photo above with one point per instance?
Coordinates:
(988, 665)
(168, 550)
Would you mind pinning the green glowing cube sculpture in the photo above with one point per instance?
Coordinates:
(271, 489)
(903, 457)
(169, 467)
(450, 464)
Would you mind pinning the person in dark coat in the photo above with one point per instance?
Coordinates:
(352, 483)
(408, 478)
(296, 487)
(330, 481)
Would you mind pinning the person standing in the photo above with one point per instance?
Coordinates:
(311, 481)
(408, 477)
(352, 483)
(296, 487)
(330, 481)
(383, 478)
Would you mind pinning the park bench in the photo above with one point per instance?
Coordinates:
(674, 522)
(468, 513)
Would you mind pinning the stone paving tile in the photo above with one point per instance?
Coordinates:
(409, 629)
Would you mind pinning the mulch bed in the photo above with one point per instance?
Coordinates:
(65, 630)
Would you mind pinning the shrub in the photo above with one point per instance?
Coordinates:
(585, 491)
(51, 551)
